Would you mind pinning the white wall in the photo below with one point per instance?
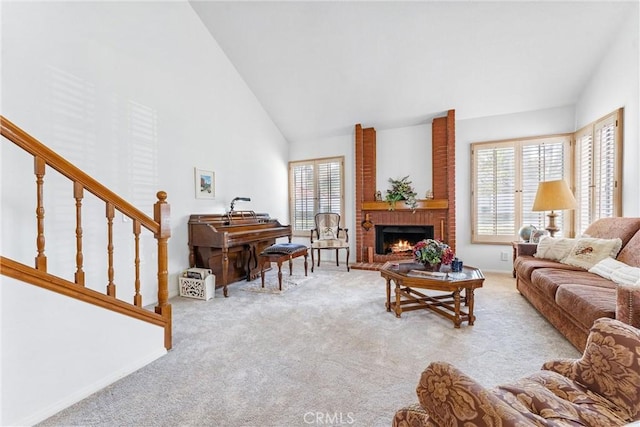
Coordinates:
(49, 360)
(401, 152)
(615, 83)
(136, 94)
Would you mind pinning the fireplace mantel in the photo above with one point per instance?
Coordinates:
(425, 204)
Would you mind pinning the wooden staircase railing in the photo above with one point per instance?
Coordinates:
(159, 226)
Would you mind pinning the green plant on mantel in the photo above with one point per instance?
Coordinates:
(401, 189)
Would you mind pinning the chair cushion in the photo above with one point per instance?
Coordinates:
(284, 248)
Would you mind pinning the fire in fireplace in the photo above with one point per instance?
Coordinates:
(397, 239)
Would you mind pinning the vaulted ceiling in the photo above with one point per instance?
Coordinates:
(320, 67)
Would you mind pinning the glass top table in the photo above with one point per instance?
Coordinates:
(408, 275)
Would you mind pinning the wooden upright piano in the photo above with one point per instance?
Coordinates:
(229, 244)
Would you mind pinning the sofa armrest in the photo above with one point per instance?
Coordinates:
(628, 304)
(560, 366)
(452, 398)
(527, 248)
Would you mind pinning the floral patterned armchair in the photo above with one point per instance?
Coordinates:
(602, 388)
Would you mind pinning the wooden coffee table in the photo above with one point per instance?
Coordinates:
(409, 276)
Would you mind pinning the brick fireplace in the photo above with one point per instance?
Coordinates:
(438, 213)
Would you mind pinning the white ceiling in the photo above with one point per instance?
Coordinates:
(318, 68)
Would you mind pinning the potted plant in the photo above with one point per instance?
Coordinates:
(401, 189)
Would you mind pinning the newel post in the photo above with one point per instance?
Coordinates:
(161, 215)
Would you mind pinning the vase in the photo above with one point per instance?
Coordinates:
(432, 267)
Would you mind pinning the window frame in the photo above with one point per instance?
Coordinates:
(517, 145)
(613, 119)
(316, 182)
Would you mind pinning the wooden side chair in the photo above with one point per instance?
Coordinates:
(328, 234)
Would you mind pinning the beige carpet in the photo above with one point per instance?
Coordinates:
(324, 352)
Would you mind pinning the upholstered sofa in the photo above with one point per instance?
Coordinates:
(571, 296)
(602, 388)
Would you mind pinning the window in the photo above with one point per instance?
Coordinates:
(598, 160)
(505, 177)
(505, 181)
(315, 185)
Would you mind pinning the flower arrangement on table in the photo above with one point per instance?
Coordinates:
(432, 252)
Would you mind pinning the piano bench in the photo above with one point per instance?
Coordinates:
(280, 253)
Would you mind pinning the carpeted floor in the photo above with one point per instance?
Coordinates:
(322, 352)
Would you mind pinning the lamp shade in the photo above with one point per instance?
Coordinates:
(554, 195)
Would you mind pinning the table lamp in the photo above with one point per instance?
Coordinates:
(552, 196)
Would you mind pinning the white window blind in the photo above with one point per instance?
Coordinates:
(584, 174)
(494, 195)
(315, 186)
(505, 181)
(598, 156)
(543, 159)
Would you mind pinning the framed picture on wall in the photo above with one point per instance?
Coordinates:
(205, 184)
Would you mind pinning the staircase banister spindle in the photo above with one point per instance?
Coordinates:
(78, 194)
(57, 162)
(137, 297)
(110, 214)
(159, 226)
(39, 167)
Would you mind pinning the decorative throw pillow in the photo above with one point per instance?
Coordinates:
(609, 365)
(588, 251)
(606, 267)
(554, 248)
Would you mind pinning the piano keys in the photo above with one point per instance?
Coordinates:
(229, 244)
